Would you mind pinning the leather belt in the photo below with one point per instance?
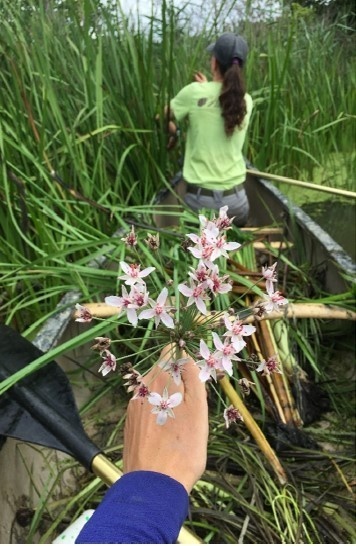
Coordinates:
(194, 188)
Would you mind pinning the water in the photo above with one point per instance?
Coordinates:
(338, 219)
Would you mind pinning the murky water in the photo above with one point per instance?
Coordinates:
(338, 219)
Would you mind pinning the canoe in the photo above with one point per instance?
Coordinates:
(270, 207)
(26, 471)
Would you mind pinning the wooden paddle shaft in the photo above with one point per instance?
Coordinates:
(293, 182)
(293, 310)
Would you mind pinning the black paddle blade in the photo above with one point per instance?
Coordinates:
(40, 409)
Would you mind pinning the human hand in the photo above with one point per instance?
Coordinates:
(200, 78)
(178, 448)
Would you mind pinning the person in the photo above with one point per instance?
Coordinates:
(218, 114)
(149, 503)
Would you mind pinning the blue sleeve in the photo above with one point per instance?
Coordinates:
(140, 508)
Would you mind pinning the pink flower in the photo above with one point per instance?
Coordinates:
(174, 368)
(226, 351)
(216, 283)
(231, 415)
(196, 294)
(269, 274)
(205, 244)
(130, 302)
(200, 274)
(274, 301)
(141, 392)
(130, 239)
(164, 404)
(159, 310)
(271, 366)
(236, 330)
(133, 274)
(108, 364)
(152, 241)
(209, 364)
(133, 380)
(84, 313)
(223, 222)
(211, 245)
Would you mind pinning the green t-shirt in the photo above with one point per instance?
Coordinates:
(212, 160)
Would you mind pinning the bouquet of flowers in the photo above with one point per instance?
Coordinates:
(184, 317)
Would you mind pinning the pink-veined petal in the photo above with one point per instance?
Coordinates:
(248, 330)
(132, 316)
(125, 267)
(147, 314)
(161, 417)
(204, 349)
(154, 398)
(217, 342)
(167, 320)
(161, 300)
(115, 301)
(146, 271)
(201, 306)
(185, 290)
(175, 399)
(231, 246)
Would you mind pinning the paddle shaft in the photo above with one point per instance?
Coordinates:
(309, 185)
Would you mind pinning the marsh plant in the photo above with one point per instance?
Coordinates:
(183, 319)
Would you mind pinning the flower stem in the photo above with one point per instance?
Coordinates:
(254, 429)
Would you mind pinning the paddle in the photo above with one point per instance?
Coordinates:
(41, 409)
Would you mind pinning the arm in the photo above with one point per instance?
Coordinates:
(161, 465)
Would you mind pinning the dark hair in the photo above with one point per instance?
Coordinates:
(231, 99)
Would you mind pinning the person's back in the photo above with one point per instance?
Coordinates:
(211, 157)
(218, 114)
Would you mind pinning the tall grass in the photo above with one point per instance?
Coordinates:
(80, 91)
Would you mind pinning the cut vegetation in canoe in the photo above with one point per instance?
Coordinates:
(262, 473)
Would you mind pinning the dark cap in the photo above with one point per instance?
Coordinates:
(229, 47)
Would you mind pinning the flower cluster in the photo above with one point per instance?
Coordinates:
(217, 354)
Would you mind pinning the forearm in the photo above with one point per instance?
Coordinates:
(141, 508)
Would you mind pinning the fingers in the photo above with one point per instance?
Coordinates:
(193, 387)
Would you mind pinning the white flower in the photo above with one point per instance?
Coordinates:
(216, 283)
(269, 366)
(231, 415)
(174, 368)
(158, 310)
(236, 330)
(108, 364)
(226, 351)
(84, 313)
(130, 302)
(269, 274)
(164, 404)
(223, 222)
(209, 364)
(196, 294)
(133, 273)
(274, 301)
(210, 245)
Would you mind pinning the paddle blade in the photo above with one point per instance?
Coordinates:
(40, 408)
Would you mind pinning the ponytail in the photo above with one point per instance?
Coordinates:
(231, 99)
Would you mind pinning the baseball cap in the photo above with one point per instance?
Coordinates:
(228, 47)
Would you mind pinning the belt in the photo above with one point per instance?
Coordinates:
(194, 188)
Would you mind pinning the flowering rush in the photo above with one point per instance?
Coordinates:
(171, 308)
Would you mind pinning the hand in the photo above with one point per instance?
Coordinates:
(173, 135)
(200, 78)
(179, 447)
